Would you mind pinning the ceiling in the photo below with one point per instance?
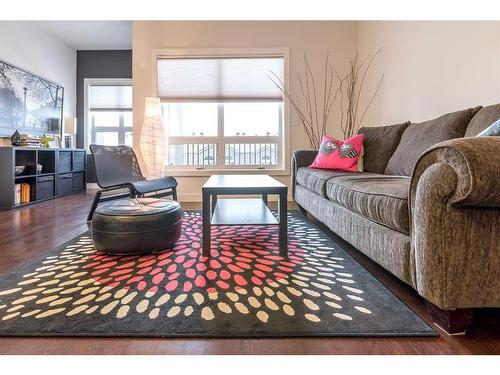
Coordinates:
(91, 35)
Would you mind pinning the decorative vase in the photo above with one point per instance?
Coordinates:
(15, 139)
(152, 140)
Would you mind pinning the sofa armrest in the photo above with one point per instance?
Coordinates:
(455, 216)
(301, 158)
(476, 165)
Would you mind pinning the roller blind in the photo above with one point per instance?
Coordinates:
(110, 97)
(227, 78)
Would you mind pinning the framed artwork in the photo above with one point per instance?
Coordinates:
(29, 103)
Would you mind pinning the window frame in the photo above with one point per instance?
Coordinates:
(283, 140)
(90, 129)
(121, 129)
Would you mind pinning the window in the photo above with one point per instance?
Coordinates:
(222, 112)
(223, 134)
(109, 112)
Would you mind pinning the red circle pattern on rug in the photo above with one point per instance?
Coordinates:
(240, 256)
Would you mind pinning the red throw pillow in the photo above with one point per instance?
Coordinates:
(341, 155)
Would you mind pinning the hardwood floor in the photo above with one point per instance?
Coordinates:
(28, 232)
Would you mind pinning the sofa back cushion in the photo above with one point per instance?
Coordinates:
(379, 145)
(482, 119)
(491, 131)
(418, 137)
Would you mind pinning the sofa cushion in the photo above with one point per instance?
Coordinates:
(380, 198)
(379, 145)
(481, 120)
(491, 131)
(315, 179)
(418, 137)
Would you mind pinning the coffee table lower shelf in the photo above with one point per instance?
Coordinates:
(242, 212)
(217, 212)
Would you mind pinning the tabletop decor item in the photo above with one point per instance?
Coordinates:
(67, 141)
(55, 142)
(45, 140)
(15, 139)
(19, 169)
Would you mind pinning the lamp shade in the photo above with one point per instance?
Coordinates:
(152, 141)
(70, 125)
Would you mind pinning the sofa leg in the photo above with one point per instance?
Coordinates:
(453, 322)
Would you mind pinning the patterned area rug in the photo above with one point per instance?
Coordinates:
(244, 290)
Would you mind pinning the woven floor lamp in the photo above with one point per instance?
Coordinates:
(152, 139)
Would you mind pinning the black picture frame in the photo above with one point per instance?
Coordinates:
(67, 141)
(29, 103)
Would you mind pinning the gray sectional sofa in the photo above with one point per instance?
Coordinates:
(427, 208)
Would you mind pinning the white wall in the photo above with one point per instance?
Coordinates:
(30, 47)
(313, 38)
(431, 67)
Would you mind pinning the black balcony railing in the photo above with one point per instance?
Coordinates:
(196, 154)
(235, 154)
(248, 154)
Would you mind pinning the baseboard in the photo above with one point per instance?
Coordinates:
(450, 334)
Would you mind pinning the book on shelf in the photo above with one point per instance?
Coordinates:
(22, 193)
(17, 198)
(30, 140)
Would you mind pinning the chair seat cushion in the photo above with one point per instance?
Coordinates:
(380, 198)
(316, 179)
(149, 186)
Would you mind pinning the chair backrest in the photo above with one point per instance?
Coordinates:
(115, 165)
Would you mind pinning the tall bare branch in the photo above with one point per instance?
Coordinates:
(316, 108)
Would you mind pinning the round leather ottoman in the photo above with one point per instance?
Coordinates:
(136, 225)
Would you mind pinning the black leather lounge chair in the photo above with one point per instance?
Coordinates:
(117, 168)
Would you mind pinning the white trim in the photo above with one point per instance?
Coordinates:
(284, 167)
(87, 82)
(176, 140)
(193, 172)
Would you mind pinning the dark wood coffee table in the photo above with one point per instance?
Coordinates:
(243, 211)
